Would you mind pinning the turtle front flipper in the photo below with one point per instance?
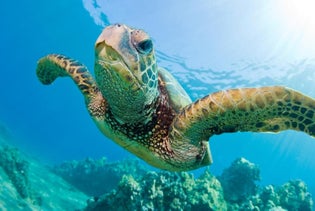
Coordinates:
(265, 109)
(53, 66)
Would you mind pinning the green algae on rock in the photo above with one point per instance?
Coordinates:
(239, 180)
(26, 184)
(17, 170)
(242, 193)
(141, 189)
(164, 191)
(293, 195)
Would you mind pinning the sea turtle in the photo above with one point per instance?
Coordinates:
(145, 110)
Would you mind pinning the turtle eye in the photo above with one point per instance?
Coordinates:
(145, 46)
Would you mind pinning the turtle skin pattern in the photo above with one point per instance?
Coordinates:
(166, 129)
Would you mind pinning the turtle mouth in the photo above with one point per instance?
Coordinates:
(122, 68)
(112, 57)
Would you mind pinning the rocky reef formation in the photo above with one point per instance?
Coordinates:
(130, 186)
(164, 191)
(17, 170)
(140, 189)
(239, 182)
(96, 184)
(25, 184)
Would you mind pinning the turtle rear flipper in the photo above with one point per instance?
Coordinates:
(53, 66)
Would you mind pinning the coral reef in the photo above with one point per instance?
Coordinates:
(95, 177)
(132, 187)
(27, 185)
(293, 195)
(17, 170)
(239, 180)
(163, 191)
(242, 193)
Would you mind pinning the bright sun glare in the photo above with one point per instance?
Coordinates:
(300, 14)
(297, 18)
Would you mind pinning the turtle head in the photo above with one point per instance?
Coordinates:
(126, 71)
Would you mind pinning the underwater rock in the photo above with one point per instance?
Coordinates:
(26, 184)
(242, 193)
(293, 195)
(163, 191)
(16, 169)
(268, 195)
(238, 180)
(95, 177)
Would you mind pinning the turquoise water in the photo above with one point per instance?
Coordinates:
(207, 45)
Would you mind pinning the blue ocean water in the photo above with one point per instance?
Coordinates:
(207, 45)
